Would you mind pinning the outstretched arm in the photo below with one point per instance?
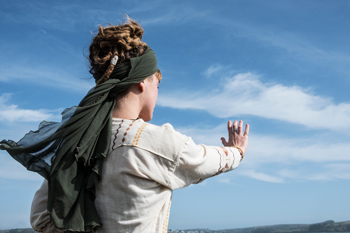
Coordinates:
(236, 137)
(198, 162)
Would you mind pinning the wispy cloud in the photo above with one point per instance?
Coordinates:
(63, 17)
(14, 123)
(259, 176)
(69, 18)
(324, 172)
(212, 70)
(10, 169)
(45, 76)
(298, 46)
(178, 15)
(295, 44)
(245, 94)
(11, 112)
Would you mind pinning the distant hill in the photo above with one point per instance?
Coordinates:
(19, 230)
(327, 226)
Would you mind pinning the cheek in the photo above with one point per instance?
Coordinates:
(155, 97)
(156, 93)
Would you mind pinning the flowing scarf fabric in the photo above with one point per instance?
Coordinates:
(70, 154)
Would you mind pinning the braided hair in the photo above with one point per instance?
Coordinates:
(123, 40)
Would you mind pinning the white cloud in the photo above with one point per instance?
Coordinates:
(224, 179)
(17, 122)
(179, 14)
(212, 70)
(11, 112)
(245, 94)
(323, 172)
(10, 169)
(273, 149)
(259, 176)
(298, 46)
(46, 76)
(63, 17)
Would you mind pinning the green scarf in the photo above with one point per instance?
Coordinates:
(70, 154)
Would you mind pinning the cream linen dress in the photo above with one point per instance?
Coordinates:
(145, 163)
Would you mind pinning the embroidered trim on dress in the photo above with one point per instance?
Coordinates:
(116, 134)
(227, 159)
(165, 223)
(219, 170)
(138, 134)
(233, 157)
(126, 132)
(225, 150)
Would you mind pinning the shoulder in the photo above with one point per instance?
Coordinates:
(162, 140)
(164, 132)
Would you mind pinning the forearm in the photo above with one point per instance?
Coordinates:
(199, 162)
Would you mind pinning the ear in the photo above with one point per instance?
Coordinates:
(142, 86)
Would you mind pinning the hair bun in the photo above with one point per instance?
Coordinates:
(123, 40)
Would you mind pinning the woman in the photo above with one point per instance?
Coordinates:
(105, 168)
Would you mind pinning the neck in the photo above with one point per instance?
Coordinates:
(128, 107)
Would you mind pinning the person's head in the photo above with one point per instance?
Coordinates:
(124, 41)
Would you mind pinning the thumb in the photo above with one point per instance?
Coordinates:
(224, 142)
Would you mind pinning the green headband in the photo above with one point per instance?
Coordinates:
(70, 154)
(135, 68)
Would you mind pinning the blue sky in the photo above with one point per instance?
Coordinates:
(281, 66)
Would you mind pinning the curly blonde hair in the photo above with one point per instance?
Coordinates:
(123, 40)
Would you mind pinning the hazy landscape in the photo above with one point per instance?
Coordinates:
(326, 226)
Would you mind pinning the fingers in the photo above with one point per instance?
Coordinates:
(240, 126)
(229, 129)
(224, 142)
(246, 131)
(234, 127)
(236, 137)
(229, 126)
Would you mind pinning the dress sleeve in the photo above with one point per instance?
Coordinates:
(39, 216)
(199, 162)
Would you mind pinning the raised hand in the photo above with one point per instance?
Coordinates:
(236, 137)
